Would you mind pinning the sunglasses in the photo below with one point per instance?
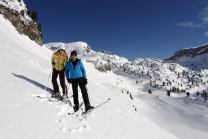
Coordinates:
(73, 55)
(62, 50)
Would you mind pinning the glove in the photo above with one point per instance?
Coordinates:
(69, 80)
(53, 63)
(85, 82)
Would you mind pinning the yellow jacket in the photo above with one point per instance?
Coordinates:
(59, 60)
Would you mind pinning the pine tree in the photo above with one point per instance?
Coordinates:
(34, 16)
(150, 91)
(28, 12)
(170, 83)
(148, 74)
(39, 27)
(178, 90)
(131, 96)
(163, 83)
(168, 93)
(22, 12)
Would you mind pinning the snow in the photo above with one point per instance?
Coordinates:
(25, 69)
(200, 61)
(80, 47)
(195, 47)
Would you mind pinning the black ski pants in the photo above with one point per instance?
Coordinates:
(80, 82)
(61, 78)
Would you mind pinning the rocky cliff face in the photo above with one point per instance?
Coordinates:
(21, 21)
(189, 53)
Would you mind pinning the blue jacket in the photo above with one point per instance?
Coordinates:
(78, 72)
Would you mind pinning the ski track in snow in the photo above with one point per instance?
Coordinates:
(29, 62)
(81, 122)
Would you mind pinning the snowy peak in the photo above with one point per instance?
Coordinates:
(191, 52)
(80, 47)
(103, 61)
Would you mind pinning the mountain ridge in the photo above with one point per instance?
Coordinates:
(196, 55)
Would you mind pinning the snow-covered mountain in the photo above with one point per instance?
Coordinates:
(139, 105)
(25, 68)
(197, 56)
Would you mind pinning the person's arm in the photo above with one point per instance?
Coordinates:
(53, 59)
(66, 70)
(83, 70)
(66, 60)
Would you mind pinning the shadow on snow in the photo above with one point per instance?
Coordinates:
(33, 82)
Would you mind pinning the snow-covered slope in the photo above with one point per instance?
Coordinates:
(177, 113)
(195, 55)
(25, 68)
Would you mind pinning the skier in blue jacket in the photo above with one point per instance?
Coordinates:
(77, 77)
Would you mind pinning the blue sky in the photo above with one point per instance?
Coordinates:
(129, 28)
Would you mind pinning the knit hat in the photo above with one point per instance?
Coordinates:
(74, 53)
(61, 47)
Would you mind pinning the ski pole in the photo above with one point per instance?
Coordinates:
(68, 86)
(48, 79)
(88, 94)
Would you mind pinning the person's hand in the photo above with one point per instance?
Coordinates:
(85, 82)
(69, 80)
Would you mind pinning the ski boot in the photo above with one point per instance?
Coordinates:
(88, 108)
(76, 108)
(56, 95)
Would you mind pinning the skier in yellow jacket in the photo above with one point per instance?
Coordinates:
(58, 61)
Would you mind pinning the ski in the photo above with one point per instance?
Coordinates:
(43, 97)
(72, 113)
(50, 98)
(87, 112)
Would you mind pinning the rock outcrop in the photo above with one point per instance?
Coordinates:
(27, 27)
